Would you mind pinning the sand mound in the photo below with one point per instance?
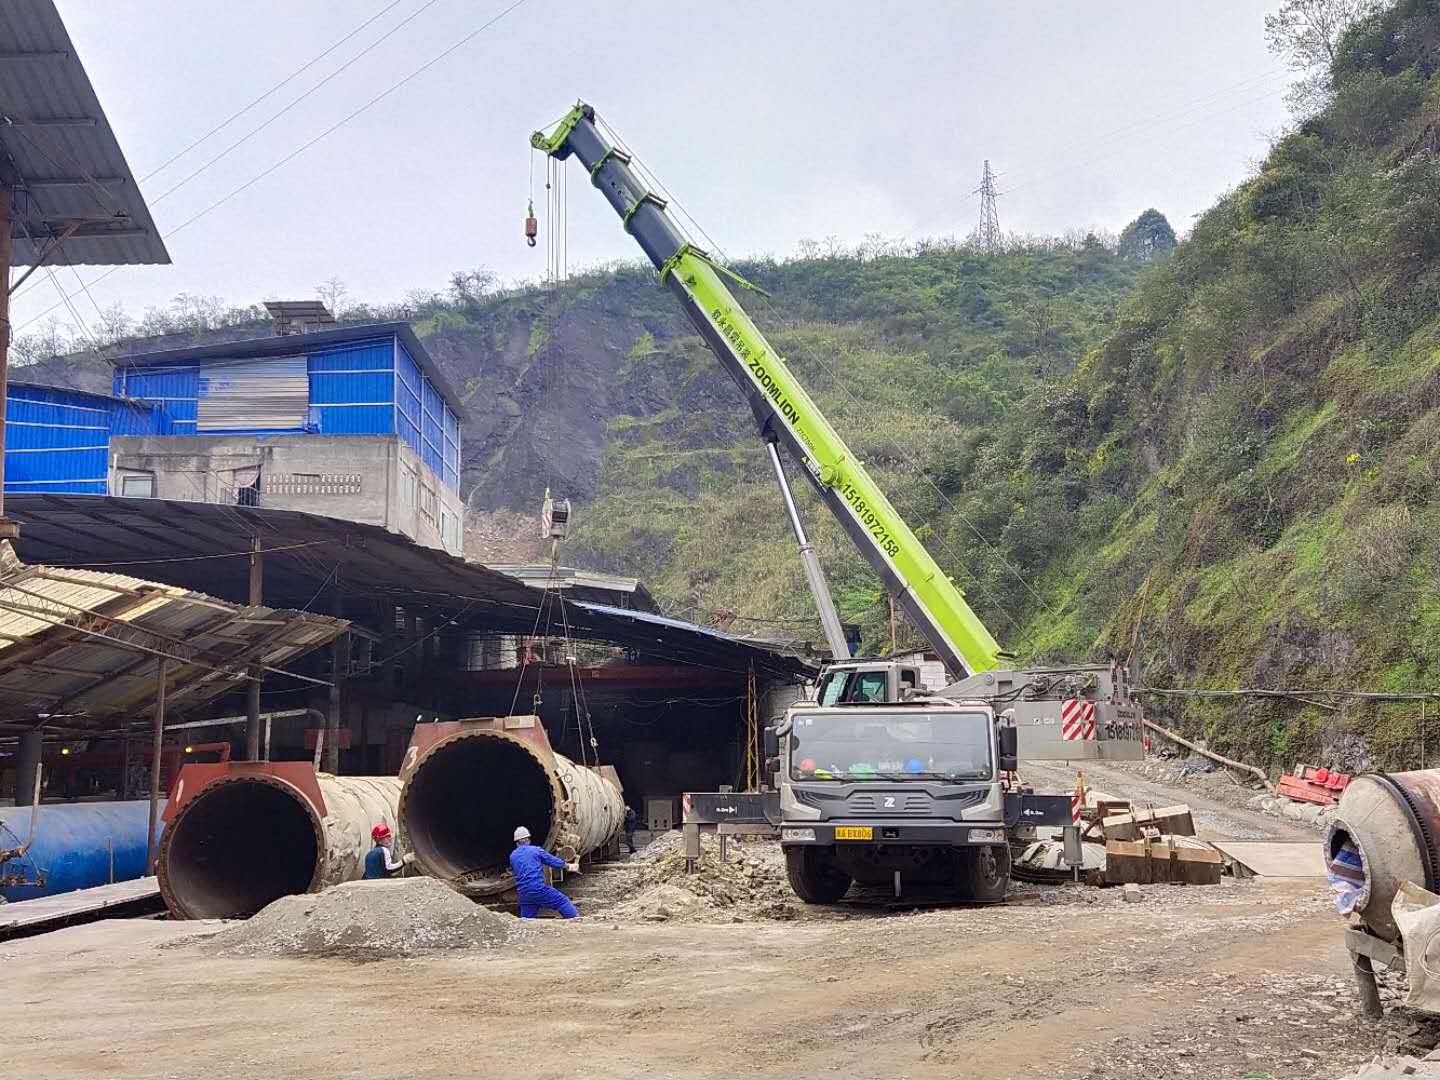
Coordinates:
(372, 920)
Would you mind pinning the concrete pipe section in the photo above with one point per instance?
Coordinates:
(240, 835)
(469, 783)
(1394, 821)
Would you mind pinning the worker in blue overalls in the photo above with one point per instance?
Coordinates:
(380, 862)
(527, 863)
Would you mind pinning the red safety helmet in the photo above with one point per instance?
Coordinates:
(380, 832)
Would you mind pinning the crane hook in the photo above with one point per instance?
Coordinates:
(532, 227)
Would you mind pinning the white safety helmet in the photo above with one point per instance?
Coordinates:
(522, 833)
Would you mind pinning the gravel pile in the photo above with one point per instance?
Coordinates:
(1386, 1068)
(749, 885)
(372, 920)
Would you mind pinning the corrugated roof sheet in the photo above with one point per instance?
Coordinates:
(63, 157)
(306, 549)
(86, 645)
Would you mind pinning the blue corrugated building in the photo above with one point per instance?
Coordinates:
(353, 421)
(58, 440)
(372, 379)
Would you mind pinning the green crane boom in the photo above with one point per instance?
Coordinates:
(783, 409)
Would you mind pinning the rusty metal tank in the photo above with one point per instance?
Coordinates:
(467, 784)
(1394, 820)
(241, 834)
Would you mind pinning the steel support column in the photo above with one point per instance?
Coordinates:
(25, 762)
(162, 673)
(252, 691)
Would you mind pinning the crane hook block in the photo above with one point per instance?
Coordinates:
(532, 227)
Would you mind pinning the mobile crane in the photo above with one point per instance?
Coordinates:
(878, 781)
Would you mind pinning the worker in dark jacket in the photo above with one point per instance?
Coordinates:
(527, 863)
(632, 822)
(380, 862)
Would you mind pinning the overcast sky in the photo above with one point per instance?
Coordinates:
(770, 121)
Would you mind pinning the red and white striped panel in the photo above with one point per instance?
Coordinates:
(1076, 805)
(1077, 719)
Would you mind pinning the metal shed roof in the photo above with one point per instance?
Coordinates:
(293, 344)
(59, 153)
(205, 545)
(79, 647)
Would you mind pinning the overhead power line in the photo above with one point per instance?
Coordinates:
(373, 101)
(283, 82)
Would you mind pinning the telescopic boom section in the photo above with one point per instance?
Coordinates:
(922, 589)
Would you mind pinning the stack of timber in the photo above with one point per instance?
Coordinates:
(1157, 845)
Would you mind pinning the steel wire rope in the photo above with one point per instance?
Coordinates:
(585, 720)
(1137, 126)
(55, 281)
(525, 662)
(103, 196)
(191, 558)
(277, 115)
(283, 82)
(370, 103)
(1164, 117)
(1036, 178)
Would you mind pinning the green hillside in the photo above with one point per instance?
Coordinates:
(1259, 436)
(1224, 456)
(1239, 477)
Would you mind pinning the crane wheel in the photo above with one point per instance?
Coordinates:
(813, 877)
(985, 874)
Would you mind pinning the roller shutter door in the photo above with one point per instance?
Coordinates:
(254, 395)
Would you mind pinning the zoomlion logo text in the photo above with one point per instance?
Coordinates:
(756, 363)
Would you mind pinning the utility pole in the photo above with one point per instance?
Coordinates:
(8, 530)
(987, 232)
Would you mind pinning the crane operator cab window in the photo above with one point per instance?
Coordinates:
(853, 688)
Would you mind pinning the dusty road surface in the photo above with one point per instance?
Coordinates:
(1244, 979)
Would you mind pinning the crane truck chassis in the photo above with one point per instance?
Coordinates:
(946, 824)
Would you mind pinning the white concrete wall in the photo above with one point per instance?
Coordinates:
(373, 479)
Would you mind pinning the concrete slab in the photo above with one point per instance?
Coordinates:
(1275, 858)
(29, 916)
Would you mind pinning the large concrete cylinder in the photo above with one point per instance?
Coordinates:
(257, 831)
(470, 783)
(1394, 819)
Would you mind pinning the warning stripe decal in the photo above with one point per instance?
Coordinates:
(1077, 719)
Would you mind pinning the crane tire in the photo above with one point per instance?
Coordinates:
(813, 878)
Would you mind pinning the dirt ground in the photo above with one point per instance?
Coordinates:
(1244, 979)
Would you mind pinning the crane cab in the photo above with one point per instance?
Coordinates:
(867, 682)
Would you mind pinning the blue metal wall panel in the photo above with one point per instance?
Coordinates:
(353, 419)
(58, 440)
(352, 388)
(378, 355)
(409, 391)
(174, 389)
